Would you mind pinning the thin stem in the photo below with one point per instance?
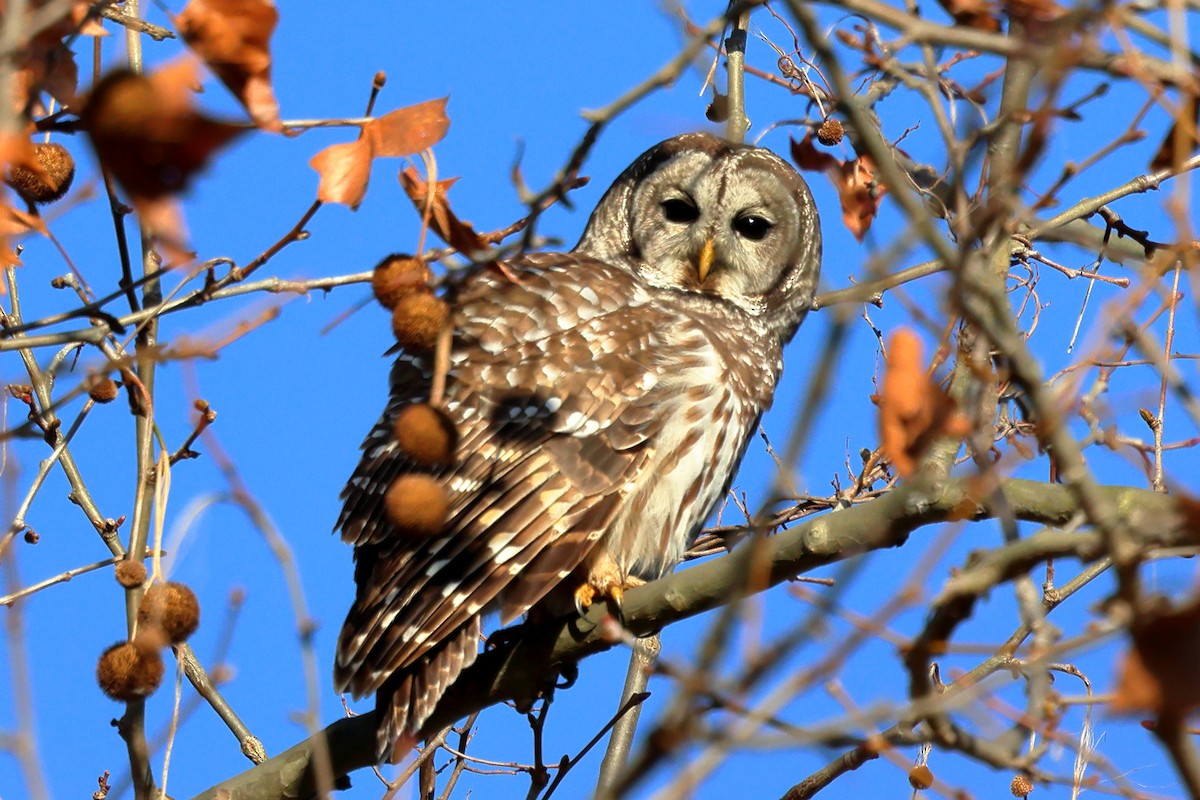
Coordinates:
(133, 723)
(62, 577)
(735, 59)
(42, 384)
(1160, 483)
(94, 335)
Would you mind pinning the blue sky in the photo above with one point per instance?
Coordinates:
(294, 402)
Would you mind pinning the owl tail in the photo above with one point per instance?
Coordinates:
(408, 699)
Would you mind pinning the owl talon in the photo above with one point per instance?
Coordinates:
(569, 674)
(584, 596)
(605, 586)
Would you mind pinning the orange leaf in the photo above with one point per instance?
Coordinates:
(164, 216)
(408, 130)
(43, 64)
(455, 232)
(233, 37)
(913, 410)
(1035, 11)
(145, 130)
(344, 170)
(87, 25)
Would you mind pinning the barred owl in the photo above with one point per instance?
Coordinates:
(603, 399)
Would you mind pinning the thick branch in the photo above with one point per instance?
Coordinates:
(530, 660)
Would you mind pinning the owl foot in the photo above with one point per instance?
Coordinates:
(604, 582)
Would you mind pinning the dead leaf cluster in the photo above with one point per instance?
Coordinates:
(345, 169)
(151, 138)
(46, 63)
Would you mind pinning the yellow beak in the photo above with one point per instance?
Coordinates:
(705, 262)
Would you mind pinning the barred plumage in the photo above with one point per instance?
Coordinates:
(603, 399)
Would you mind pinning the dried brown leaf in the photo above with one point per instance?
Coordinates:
(44, 64)
(233, 37)
(345, 170)
(854, 180)
(1160, 673)
(1189, 509)
(1181, 139)
(82, 20)
(859, 193)
(809, 158)
(913, 410)
(978, 14)
(147, 133)
(457, 233)
(408, 130)
(14, 222)
(1035, 11)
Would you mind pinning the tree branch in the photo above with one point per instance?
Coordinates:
(515, 669)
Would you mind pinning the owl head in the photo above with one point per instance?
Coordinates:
(700, 216)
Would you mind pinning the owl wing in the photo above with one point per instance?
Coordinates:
(553, 384)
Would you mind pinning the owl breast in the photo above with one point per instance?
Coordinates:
(714, 394)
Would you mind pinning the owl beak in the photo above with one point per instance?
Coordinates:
(705, 261)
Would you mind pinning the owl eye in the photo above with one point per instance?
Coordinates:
(680, 210)
(753, 227)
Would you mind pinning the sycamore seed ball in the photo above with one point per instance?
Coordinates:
(130, 573)
(59, 165)
(418, 319)
(830, 132)
(102, 389)
(920, 777)
(396, 276)
(173, 607)
(125, 671)
(425, 434)
(417, 505)
(1021, 786)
